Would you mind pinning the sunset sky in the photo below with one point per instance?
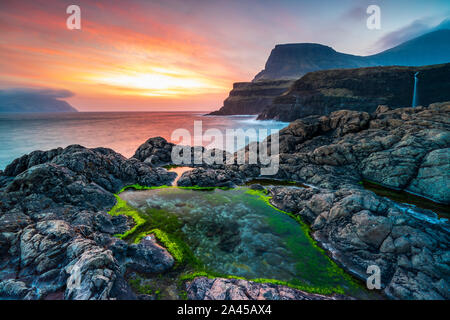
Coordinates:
(182, 54)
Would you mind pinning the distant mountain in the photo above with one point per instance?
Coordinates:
(431, 48)
(29, 100)
(289, 62)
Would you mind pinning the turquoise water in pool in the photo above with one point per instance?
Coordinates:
(236, 232)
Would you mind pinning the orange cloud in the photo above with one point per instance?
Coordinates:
(107, 60)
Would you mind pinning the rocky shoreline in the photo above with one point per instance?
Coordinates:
(55, 229)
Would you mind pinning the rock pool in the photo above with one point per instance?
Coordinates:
(236, 232)
(403, 197)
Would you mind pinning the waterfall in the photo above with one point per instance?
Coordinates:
(415, 97)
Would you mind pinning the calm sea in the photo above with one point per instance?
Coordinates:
(120, 131)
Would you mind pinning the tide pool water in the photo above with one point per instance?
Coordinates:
(236, 232)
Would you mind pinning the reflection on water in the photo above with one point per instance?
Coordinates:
(442, 210)
(120, 131)
(237, 233)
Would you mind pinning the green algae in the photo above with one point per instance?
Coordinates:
(140, 286)
(162, 224)
(123, 208)
(332, 270)
(169, 243)
(171, 166)
(293, 285)
(322, 275)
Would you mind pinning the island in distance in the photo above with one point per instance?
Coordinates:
(35, 100)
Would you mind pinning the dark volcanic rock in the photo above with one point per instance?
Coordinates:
(210, 178)
(74, 176)
(155, 151)
(405, 148)
(46, 185)
(56, 240)
(108, 169)
(158, 152)
(402, 148)
(13, 289)
(361, 229)
(54, 236)
(203, 288)
(149, 257)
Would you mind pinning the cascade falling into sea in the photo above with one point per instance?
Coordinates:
(415, 102)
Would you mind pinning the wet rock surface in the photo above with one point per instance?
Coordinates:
(207, 177)
(56, 238)
(148, 256)
(361, 229)
(203, 288)
(155, 151)
(405, 149)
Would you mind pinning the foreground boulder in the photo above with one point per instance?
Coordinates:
(74, 176)
(148, 256)
(206, 177)
(103, 166)
(155, 151)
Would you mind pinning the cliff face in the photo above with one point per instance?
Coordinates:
(289, 62)
(252, 97)
(363, 89)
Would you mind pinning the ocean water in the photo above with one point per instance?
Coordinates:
(120, 131)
